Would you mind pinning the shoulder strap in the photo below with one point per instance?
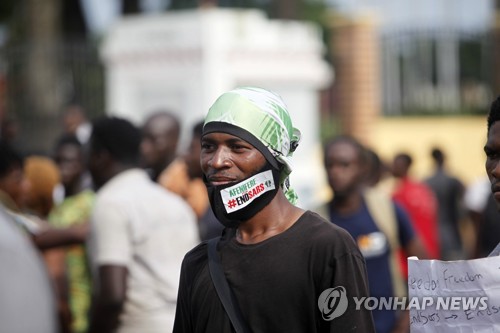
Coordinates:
(383, 213)
(223, 290)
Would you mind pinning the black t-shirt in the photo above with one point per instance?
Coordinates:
(277, 282)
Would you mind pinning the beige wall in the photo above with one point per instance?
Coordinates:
(461, 138)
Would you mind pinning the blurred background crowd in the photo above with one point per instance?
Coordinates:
(411, 81)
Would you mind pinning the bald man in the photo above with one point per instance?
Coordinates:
(160, 135)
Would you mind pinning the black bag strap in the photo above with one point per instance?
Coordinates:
(223, 290)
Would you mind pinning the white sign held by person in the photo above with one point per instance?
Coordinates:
(454, 296)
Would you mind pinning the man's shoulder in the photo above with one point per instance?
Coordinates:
(314, 219)
(318, 222)
(326, 240)
(195, 259)
(197, 252)
(320, 231)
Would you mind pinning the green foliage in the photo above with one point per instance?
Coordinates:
(471, 56)
(313, 10)
(316, 11)
(329, 127)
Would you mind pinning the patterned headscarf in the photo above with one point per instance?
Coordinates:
(261, 118)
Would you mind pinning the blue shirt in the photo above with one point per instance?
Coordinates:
(375, 248)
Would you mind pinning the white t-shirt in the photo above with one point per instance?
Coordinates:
(477, 194)
(140, 225)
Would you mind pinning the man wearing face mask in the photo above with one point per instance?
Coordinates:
(277, 259)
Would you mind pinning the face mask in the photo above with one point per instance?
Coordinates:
(233, 203)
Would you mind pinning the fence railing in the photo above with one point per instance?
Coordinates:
(40, 80)
(436, 72)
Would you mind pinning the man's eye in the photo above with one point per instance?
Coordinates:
(491, 154)
(206, 146)
(238, 147)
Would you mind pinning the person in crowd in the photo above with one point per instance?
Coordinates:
(379, 226)
(28, 206)
(9, 130)
(160, 136)
(75, 122)
(73, 274)
(27, 301)
(492, 150)
(43, 176)
(280, 262)
(139, 235)
(449, 192)
(379, 176)
(14, 186)
(185, 178)
(420, 203)
(376, 169)
(14, 196)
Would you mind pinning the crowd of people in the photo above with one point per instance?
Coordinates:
(118, 231)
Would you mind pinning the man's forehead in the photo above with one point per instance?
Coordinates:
(222, 136)
(343, 148)
(494, 134)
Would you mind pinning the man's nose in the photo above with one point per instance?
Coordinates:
(495, 170)
(146, 147)
(221, 158)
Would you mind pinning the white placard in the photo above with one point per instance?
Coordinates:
(454, 296)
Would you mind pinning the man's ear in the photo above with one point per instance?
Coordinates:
(365, 171)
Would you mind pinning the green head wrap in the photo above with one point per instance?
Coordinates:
(261, 118)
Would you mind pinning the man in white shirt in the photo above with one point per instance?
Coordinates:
(140, 234)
